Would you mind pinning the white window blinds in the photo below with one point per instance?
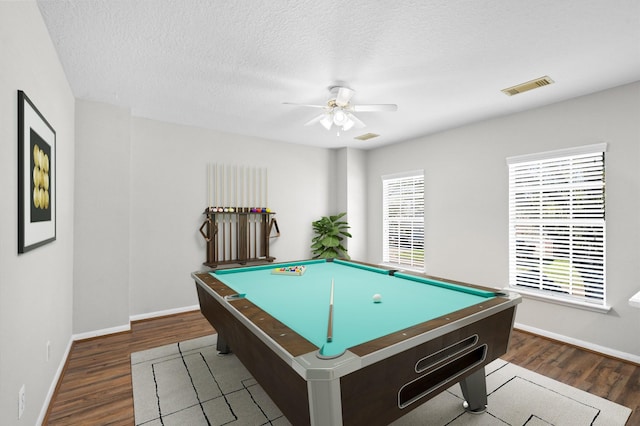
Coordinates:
(403, 219)
(557, 224)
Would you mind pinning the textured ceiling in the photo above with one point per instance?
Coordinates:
(230, 65)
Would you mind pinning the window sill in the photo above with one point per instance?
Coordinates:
(564, 302)
(402, 267)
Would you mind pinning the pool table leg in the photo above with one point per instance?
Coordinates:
(474, 390)
(222, 346)
(325, 405)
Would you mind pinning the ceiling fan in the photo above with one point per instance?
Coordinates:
(339, 111)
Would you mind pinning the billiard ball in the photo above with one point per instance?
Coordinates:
(377, 298)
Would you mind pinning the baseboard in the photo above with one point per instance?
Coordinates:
(156, 314)
(580, 343)
(103, 332)
(133, 318)
(54, 383)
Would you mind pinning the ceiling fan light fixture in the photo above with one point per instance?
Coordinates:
(342, 95)
(348, 125)
(340, 117)
(326, 121)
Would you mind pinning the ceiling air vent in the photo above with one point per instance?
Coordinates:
(533, 84)
(366, 136)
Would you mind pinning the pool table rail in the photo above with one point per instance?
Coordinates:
(433, 328)
(279, 333)
(492, 290)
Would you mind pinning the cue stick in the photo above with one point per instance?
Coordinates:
(245, 205)
(260, 189)
(255, 217)
(222, 187)
(230, 216)
(214, 182)
(330, 325)
(249, 210)
(266, 189)
(212, 185)
(259, 241)
(215, 211)
(235, 198)
(224, 217)
(243, 222)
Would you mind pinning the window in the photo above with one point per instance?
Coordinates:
(557, 225)
(403, 219)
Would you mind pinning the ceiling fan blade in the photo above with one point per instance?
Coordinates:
(324, 119)
(315, 120)
(375, 107)
(344, 96)
(327, 121)
(304, 105)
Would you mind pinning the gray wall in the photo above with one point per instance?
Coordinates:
(138, 187)
(35, 287)
(351, 193)
(102, 187)
(466, 206)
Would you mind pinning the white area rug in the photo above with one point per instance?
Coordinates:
(188, 383)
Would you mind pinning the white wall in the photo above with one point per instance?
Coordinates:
(35, 287)
(466, 223)
(351, 192)
(357, 202)
(169, 194)
(101, 261)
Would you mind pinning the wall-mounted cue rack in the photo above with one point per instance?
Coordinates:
(237, 234)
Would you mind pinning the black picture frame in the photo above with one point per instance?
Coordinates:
(36, 177)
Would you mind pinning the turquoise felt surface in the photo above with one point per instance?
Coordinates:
(302, 302)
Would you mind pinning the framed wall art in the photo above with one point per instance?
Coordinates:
(36, 177)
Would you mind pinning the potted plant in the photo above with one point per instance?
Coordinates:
(330, 231)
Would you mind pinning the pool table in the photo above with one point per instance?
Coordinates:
(384, 358)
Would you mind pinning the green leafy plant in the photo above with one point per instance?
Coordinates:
(330, 231)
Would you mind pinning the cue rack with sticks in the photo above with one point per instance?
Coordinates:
(237, 233)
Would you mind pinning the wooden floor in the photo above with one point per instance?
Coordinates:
(95, 388)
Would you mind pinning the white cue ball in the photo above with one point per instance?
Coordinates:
(377, 298)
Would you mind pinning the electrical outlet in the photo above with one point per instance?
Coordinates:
(21, 402)
(48, 350)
